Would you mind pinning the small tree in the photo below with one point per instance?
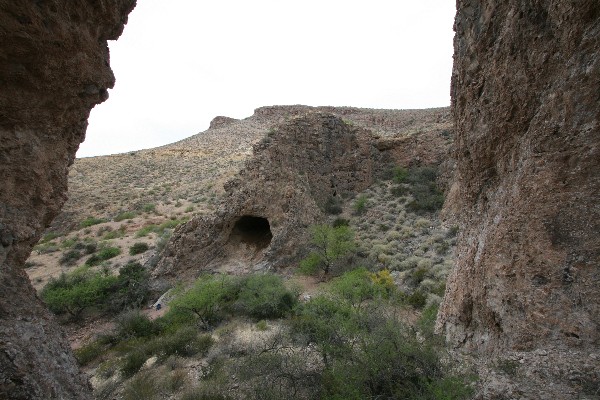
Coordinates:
(330, 246)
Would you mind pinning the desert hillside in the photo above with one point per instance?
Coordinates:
(375, 177)
(118, 200)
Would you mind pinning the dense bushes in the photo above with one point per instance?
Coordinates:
(348, 343)
(427, 197)
(214, 297)
(77, 291)
(265, 296)
(366, 352)
(84, 288)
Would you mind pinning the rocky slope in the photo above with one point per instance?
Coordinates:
(525, 101)
(308, 162)
(129, 198)
(54, 68)
(197, 167)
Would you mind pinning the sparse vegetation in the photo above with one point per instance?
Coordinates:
(91, 221)
(158, 229)
(125, 215)
(149, 208)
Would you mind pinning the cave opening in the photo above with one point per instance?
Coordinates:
(255, 231)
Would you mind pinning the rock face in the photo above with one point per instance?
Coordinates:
(525, 95)
(54, 69)
(283, 189)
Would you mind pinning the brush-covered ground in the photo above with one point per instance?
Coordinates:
(362, 330)
(352, 321)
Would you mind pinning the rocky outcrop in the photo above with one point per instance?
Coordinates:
(54, 69)
(284, 188)
(525, 101)
(220, 122)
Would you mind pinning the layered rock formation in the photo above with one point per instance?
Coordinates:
(525, 95)
(54, 69)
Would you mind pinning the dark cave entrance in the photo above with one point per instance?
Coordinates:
(255, 231)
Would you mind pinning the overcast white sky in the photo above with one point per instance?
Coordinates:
(180, 63)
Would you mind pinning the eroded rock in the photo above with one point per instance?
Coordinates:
(54, 69)
(525, 102)
(269, 205)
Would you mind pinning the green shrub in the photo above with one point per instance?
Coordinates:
(89, 352)
(202, 394)
(102, 255)
(146, 230)
(400, 175)
(77, 291)
(158, 229)
(115, 233)
(265, 296)
(70, 257)
(399, 191)
(355, 287)
(142, 387)
(262, 325)
(49, 237)
(125, 215)
(90, 221)
(367, 354)
(310, 265)
(149, 207)
(133, 362)
(131, 289)
(453, 231)
(340, 222)
(68, 243)
(426, 195)
(91, 248)
(417, 299)
(83, 288)
(417, 276)
(184, 342)
(46, 247)
(360, 205)
(133, 324)
(138, 248)
(208, 300)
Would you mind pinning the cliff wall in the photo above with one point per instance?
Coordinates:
(525, 96)
(54, 68)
